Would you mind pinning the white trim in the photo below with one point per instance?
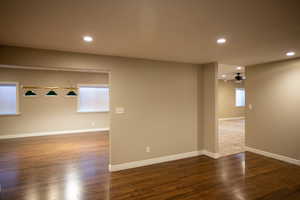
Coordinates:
(22, 135)
(152, 161)
(93, 85)
(231, 118)
(273, 155)
(211, 154)
(10, 114)
(67, 69)
(93, 111)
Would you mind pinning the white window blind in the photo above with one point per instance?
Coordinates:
(93, 99)
(239, 97)
(8, 99)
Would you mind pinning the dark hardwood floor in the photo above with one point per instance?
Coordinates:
(74, 167)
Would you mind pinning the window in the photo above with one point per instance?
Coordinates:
(93, 98)
(239, 97)
(9, 99)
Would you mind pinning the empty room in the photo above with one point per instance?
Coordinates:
(151, 100)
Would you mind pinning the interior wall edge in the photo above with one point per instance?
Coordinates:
(211, 154)
(200, 112)
(210, 108)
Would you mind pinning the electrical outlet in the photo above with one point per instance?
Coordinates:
(93, 123)
(148, 149)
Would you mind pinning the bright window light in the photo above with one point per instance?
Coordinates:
(8, 99)
(239, 97)
(88, 38)
(221, 40)
(93, 99)
(291, 53)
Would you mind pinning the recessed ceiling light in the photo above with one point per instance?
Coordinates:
(239, 68)
(291, 53)
(221, 40)
(223, 75)
(87, 38)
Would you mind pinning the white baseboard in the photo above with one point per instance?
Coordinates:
(152, 161)
(22, 135)
(273, 155)
(141, 163)
(211, 154)
(231, 118)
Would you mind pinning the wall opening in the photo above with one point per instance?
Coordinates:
(55, 103)
(231, 109)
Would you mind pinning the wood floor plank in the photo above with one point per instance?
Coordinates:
(75, 167)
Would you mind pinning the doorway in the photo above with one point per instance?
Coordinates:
(231, 109)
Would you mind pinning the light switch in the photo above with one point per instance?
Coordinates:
(148, 149)
(250, 106)
(120, 110)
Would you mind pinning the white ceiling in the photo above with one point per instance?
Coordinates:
(174, 30)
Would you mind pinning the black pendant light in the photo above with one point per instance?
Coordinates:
(71, 93)
(51, 93)
(30, 93)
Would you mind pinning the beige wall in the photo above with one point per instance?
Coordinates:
(209, 107)
(226, 99)
(48, 114)
(273, 123)
(160, 100)
(200, 107)
(161, 110)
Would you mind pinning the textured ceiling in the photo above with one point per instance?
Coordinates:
(173, 30)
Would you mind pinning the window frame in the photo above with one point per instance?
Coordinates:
(91, 85)
(17, 98)
(236, 97)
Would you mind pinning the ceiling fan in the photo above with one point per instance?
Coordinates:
(238, 77)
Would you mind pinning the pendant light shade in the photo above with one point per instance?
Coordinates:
(30, 93)
(51, 93)
(71, 93)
